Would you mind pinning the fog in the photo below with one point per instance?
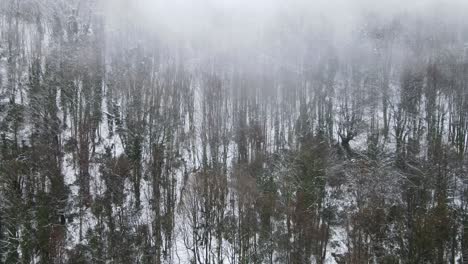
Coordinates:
(234, 131)
(289, 33)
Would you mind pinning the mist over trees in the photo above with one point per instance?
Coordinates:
(233, 131)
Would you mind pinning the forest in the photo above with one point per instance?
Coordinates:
(235, 132)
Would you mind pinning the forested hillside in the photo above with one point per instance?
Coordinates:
(233, 132)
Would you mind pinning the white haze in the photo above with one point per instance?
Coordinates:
(198, 19)
(290, 33)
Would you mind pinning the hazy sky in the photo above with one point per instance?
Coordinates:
(258, 27)
(191, 16)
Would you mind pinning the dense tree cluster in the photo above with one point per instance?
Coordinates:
(117, 146)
